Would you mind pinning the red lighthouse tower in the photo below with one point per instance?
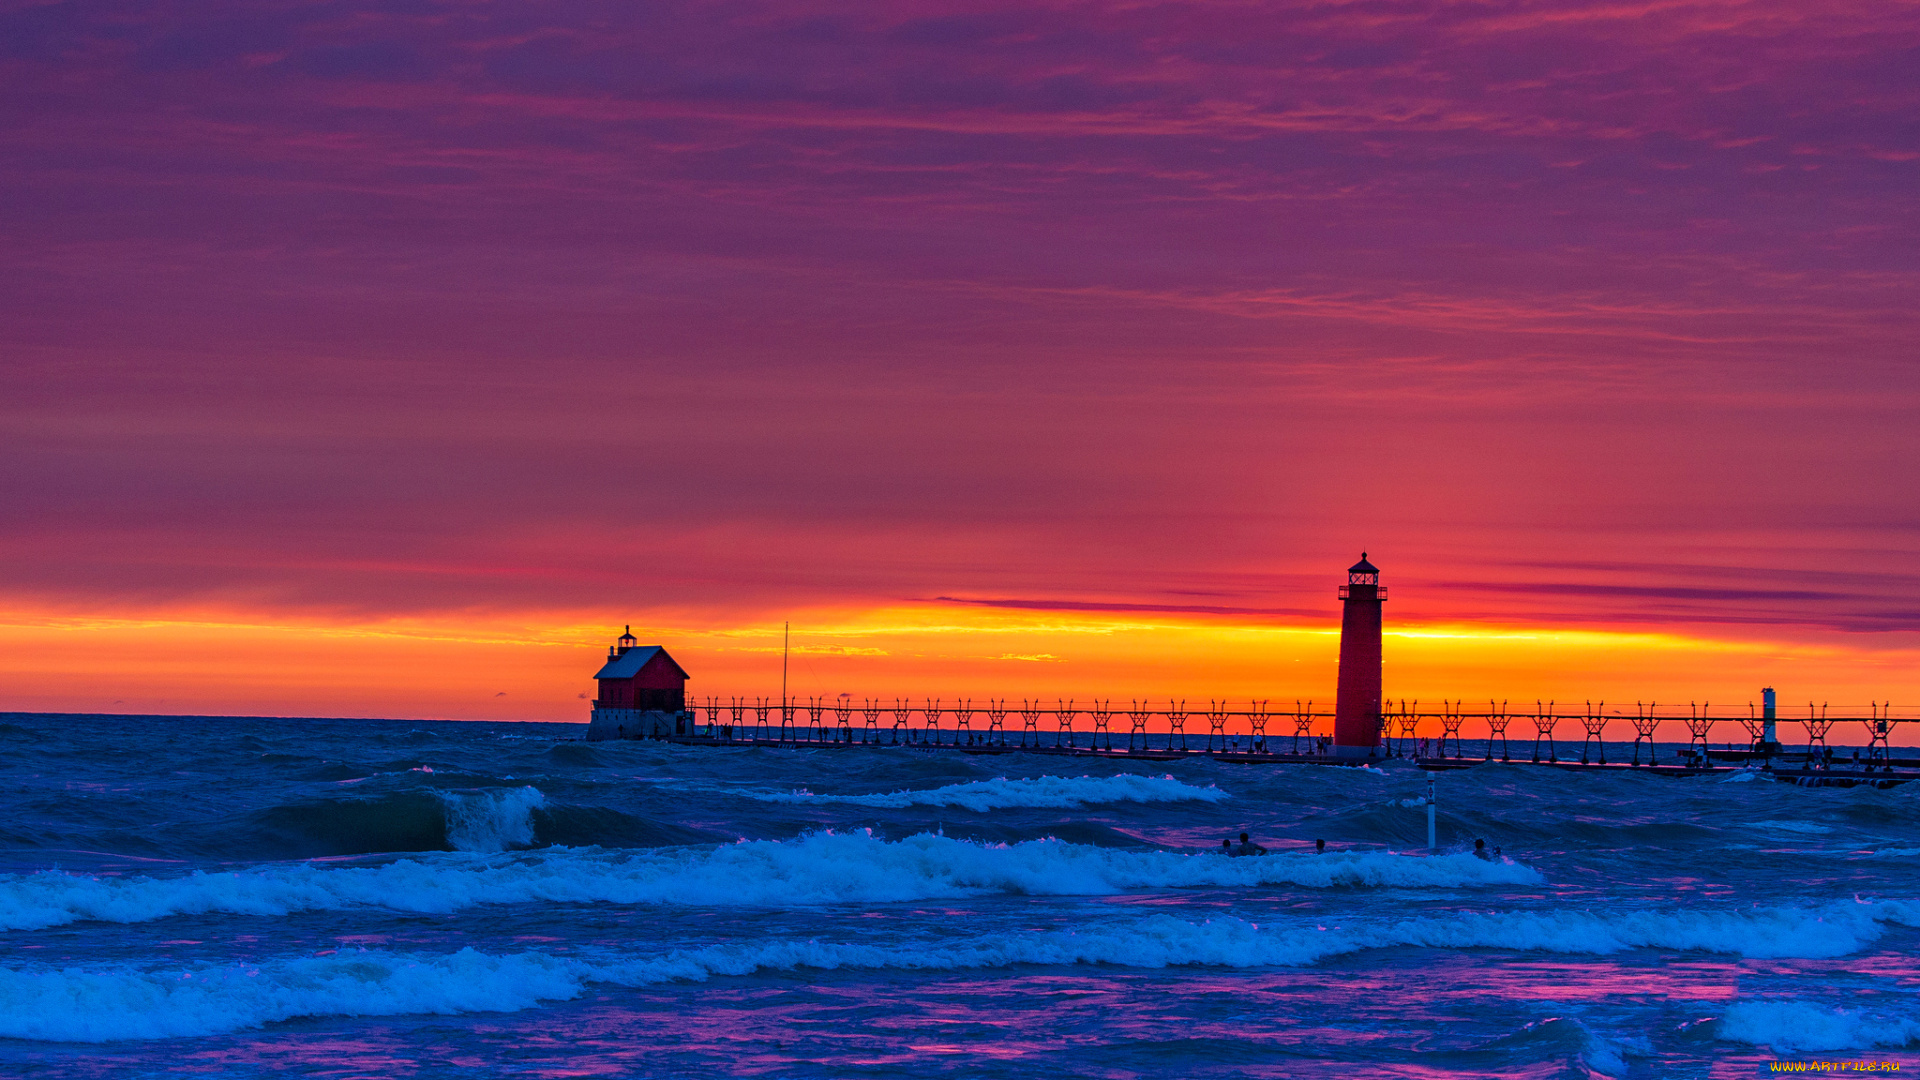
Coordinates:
(1356, 712)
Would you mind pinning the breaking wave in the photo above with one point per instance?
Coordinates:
(819, 868)
(1047, 792)
(1773, 932)
(122, 1001)
(499, 819)
(1797, 1026)
(1557, 1036)
(492, 820)
(103, 1004)
(483, 821)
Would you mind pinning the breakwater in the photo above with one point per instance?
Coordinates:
(1261, 734)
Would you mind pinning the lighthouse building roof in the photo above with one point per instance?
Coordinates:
(1363, 566)
(628, 663)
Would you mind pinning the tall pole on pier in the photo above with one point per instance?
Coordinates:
(1430, 843)
(786, 635)
(1356, 711)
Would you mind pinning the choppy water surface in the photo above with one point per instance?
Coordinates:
(379, 898)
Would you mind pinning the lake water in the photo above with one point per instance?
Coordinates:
(237, 897)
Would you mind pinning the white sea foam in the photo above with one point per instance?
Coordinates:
(101, 1004)
(1832, 930)
(1045, 792)
(1808, 827)
(819, 868)
(123, 1001)
(130, 1002)
(1798, 1026)
(492, 820)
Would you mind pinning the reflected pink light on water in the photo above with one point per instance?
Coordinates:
(1095, 1022)
(1591, 981)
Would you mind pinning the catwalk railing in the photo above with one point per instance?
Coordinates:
(1263, 727)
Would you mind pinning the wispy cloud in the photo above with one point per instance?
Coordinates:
(1123, 606)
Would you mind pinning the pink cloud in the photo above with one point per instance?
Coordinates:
(346, 308)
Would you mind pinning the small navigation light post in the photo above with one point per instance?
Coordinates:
(1430, 840)
(1769, 742)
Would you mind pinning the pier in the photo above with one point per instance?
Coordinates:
(1258, 734)
(643, 695)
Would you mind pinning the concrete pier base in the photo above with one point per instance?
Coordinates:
(608, 724)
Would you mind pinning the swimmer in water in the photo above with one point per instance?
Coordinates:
(1319, 847)
(1248, 847)
(1480, 850)
(1226, 848)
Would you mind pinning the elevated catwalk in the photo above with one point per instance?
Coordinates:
(1788, 767)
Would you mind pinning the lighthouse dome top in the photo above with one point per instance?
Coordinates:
(1363, 572)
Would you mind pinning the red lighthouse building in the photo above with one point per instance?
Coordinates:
(1356, 711)
(643, 693)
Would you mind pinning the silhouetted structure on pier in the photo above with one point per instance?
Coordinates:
(643, 694)
(1356, 708)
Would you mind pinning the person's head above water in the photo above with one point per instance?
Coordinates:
(1479, 845)
(1243, 838)
(1319, 846)
(1226, 843)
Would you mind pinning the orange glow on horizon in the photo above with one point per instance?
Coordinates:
(541, 669)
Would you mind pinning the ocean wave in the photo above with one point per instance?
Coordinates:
(1799, 1026)
(107, 1003)
(1771, 932)
(122, 1001)
(1045, 792)
(492, 820)
(309, 828)
(819, 868)
(1807, 827)
(1562, 1035)
(487, 820)
(104, 1004)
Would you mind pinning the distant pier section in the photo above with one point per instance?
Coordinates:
(642, 695)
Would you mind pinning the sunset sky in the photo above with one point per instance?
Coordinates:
(386, 359)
